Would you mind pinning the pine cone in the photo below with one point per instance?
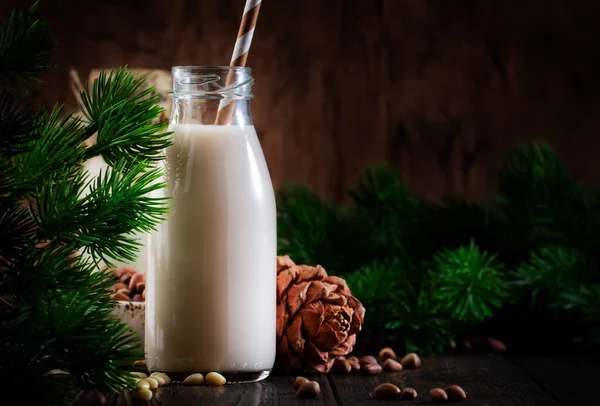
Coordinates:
(317, 316)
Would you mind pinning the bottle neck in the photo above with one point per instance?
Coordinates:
(210, 95)
(211, 111)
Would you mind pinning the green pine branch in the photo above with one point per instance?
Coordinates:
(414, 267)
(25, 45)
(57, 222)
(582, 303)
(123, 115)
(467, 283)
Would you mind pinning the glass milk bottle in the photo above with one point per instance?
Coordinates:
(211, 283)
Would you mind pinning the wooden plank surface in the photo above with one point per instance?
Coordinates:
(440, 88)
(489, 380)
(275, 390)
(572, 381)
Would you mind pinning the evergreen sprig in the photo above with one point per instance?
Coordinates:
(123, 115)
(467, 283)
(583, 304)
(548, 272)
(25, 45)
(58, 223)
(423, 281)
(307, 225)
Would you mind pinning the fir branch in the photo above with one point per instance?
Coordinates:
(25, 45)
(549, 271)
(16, 230)
(307, 226)
(467, 283)
(402, 314)
(57, 150)
(583, 304)
(540, 204)
(17, 123)
(390, 216)
(123, 114)
(55, 310)
(118, 203)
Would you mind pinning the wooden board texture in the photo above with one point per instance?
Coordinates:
(440, 88)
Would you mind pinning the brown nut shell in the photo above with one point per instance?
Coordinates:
(372, 369)
(354, 363)
(408, 394)
(386, 391)
(386, 353)
(309, 390)
(438, 395)
(368, 359)
(342, 365)
(391, 365)
(135, 279)
(120, 296)
(124, 270)
(118, 286)
(299, 381)
(455, 392)
(411, 361)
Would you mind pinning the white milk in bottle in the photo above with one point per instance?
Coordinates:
(211, 285)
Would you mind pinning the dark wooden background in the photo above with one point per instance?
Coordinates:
(441, 88)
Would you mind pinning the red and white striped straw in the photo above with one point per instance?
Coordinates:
(240, 54)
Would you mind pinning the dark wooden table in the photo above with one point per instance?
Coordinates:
(488, 380)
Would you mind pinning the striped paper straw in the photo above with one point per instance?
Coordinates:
(240, 54)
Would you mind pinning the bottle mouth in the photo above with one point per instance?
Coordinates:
(212, 82)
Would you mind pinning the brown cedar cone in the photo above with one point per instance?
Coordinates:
(317, 316)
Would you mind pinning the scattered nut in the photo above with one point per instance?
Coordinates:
(391, 365)
(137, 298)
(153, 382)
(164, 376)
(309, 390)
(386, 353)
(372, 369)
(496, 345)
(455, 392)
(140, 286)
(194, 379)
(386, 391)
(124, 291)
(411, 360)
(299, 381)
(408, 394)
(341, 364)
(354, 363)
(438, 395)
(140, 375)
(143, 394)
(367, 359)
(214, 378)
(125, 278)
(161, 381)
(143, 384)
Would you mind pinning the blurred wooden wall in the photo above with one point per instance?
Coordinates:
(440, 88)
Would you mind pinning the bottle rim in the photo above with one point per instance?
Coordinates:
(212, 82)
